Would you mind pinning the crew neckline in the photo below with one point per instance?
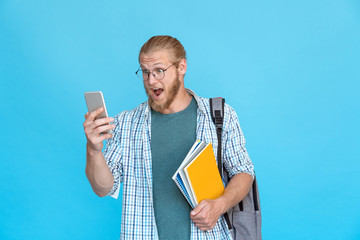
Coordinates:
(192, 103)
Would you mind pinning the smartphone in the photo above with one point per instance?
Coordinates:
(95, 100)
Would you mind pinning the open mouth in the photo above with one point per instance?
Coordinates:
(157, 92)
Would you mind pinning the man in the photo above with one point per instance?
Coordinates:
(147, 145)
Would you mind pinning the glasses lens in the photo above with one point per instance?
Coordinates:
(145, 75)
(159, 73)
(142, 75)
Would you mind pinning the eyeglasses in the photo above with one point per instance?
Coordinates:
(158, 73)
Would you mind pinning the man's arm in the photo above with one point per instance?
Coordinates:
(207, 213)
(97, 171)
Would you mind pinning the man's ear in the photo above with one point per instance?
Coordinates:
(182, 67)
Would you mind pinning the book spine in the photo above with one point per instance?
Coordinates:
(183, 192)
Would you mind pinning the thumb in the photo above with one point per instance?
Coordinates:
(198, 209)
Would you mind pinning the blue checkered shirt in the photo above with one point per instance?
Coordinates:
(128, 156)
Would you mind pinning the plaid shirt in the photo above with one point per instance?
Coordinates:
(128, 156)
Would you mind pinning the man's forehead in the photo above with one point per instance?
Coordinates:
(155, 58)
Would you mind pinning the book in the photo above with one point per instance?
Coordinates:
(198, 177)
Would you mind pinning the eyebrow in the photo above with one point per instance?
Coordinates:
(156, 64)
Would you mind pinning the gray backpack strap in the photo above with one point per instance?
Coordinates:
(217, 115)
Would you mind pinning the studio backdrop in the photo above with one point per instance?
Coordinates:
(290, 69)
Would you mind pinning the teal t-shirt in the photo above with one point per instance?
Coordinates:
(172, 136)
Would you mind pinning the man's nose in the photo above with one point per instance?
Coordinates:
(152, 78)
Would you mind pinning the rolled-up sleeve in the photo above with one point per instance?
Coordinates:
(236, 157)
(112, 155)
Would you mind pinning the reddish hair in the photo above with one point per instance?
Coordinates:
(162, 42)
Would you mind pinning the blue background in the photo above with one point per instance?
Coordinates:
(289, 68)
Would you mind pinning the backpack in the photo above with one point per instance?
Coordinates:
(244, 219)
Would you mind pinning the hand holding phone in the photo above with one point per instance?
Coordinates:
(97, 123)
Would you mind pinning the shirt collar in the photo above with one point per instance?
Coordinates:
(199, 102)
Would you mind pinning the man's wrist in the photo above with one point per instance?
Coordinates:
(91, 152)
(222, 203)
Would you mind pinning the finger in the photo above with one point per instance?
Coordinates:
(103, 121)
(100, 138)
(198, 209)
(104, 128)
(204, 227)
(200, 218)
(199, 222)
(106, 136)
(86, 122)
(197, 218)
(91, 116)
(204, 223)
(94, 128)
(95, 113)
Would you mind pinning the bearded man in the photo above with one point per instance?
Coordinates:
(147, 144)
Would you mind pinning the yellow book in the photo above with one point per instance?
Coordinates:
(203, 176)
